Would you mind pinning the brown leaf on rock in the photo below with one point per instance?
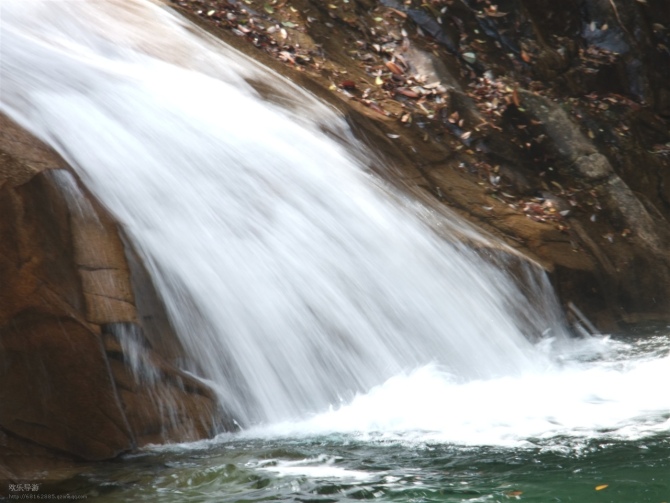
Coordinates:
(407, 92)
(399, 13)
(494, 12)
(374, 106)
(395, 69)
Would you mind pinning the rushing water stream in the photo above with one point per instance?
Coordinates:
(365, 357)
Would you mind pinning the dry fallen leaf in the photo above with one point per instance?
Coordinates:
(494, 12)
(394, 68)
(432, 85)
(407, 92)
(469, 57)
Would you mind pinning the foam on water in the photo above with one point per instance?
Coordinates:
(605, 396)
(320, 467)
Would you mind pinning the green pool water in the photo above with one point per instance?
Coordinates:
(344, 468)
(595, 430)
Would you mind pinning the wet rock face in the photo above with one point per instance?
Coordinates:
(546, 123)
(79, 380)
(56, 389)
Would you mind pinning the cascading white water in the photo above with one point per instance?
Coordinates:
(293, 278)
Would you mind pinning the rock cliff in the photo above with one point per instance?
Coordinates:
(545, 123)
(85, 375)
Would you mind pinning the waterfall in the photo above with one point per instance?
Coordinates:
(293, 277)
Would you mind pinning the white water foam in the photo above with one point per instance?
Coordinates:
(320, 467)
(609, 397)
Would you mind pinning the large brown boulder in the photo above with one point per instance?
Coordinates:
(80, 380)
